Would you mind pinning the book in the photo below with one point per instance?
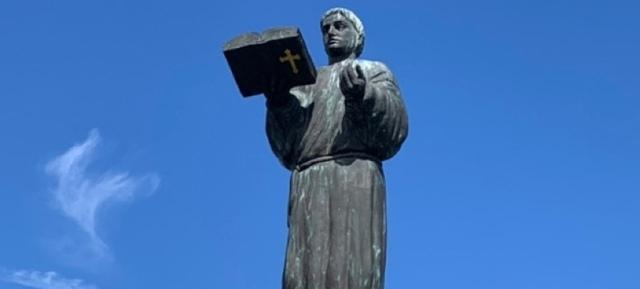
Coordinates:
(256, 59)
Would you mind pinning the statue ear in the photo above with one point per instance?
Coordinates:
(360, 44)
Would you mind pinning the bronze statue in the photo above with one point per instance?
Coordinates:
(333, 135)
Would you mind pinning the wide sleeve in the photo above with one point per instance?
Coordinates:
(285, 124)
(383, 112)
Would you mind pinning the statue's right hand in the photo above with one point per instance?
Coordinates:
(276, 86)
(277, 92)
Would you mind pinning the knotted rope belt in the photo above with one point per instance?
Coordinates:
(357, 155)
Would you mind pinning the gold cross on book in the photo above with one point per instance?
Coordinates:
(291, 58)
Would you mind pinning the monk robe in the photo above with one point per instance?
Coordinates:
(334, 146)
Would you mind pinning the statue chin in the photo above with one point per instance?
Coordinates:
(338, 52)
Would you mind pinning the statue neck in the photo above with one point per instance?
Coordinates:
(339, 58)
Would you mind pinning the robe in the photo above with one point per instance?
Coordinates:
(337, 200)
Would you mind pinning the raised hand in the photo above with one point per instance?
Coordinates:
(353, 82)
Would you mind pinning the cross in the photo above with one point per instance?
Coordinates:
(291, 59)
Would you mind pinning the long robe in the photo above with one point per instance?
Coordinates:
(337, 201)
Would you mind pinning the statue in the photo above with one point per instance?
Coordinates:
(333, 135)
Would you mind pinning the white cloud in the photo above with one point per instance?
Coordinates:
(79, 195)
(43, 280)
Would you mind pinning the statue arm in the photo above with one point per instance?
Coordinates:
(383, 112)
(285, 117)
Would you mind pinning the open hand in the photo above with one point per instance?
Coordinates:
(353, 82)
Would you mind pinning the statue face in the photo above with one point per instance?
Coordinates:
(339, 35)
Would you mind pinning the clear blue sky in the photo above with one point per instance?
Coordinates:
(521, 170)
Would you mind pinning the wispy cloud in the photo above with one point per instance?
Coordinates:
(43, 280)
(79, 195)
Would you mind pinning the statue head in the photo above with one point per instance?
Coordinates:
(342, 33)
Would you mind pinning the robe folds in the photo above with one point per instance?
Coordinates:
(334, 146)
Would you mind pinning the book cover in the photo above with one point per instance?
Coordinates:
(256, 58)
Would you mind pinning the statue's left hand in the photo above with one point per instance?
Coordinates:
(353, 82)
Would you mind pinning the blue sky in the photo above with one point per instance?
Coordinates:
(129, 159)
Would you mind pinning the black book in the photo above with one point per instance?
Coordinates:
(256, 59)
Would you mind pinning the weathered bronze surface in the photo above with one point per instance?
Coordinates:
(333, 135)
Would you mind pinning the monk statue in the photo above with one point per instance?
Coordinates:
(333, 136)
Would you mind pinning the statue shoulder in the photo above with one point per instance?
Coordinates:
(372, 65)
(374, 69)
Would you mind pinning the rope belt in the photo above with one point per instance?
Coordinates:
(358, 155)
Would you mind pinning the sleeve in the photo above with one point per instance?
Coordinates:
(382, 112)
(285, 124)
